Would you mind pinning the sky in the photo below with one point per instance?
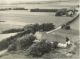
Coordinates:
(19, 1)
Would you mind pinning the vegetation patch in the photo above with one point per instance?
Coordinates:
(6, 42)
(38, 49)
(43, 27)
(22, 43)
(12, 31)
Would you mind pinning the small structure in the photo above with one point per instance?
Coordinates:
(67, 27)
(66, 45)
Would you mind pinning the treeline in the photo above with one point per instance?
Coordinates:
(62, 10)
(4, 9)
(43, 10)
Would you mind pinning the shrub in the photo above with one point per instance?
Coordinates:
(11, 40)
(61, 12)
(38, 49)
(26, 41)
(36, 27)
(67, 27)
(22, 43)
(32, 28)
(47, 26)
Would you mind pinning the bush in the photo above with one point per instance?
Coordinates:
(11, 40)
(22, 43)
(55, 45)
(61, 12)
(36, 27)
(38, 49)
(46, 26)
(32, 28)
(67, 27)
(26, 41)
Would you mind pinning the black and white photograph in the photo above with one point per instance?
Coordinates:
(39, 29)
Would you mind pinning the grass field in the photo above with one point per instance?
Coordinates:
(17, 19)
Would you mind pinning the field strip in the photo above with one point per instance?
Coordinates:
(3, 52)
(14, 23)
(4, 36)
